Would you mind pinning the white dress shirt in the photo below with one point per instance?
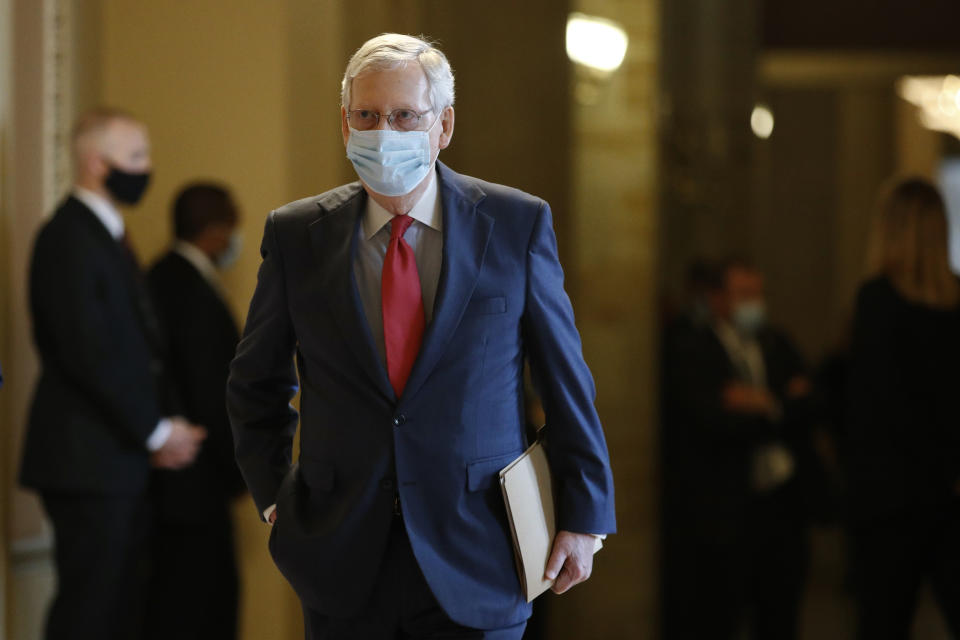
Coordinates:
(745, 352)
(201, 262)
(773, 464)
(103, 209)
(108, 215)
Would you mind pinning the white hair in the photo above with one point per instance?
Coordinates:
(395, 50)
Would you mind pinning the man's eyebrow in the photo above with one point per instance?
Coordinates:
(362, 107)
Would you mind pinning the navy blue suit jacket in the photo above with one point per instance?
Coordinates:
(460, 418)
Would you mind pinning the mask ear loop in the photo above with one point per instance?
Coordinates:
(433, 158)
(435, 121)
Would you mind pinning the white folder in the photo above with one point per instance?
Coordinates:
(529, 498)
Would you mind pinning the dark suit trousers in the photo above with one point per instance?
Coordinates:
(892, 559)
(778, 556)
(402, 606)
(743, 576)
(194, 587)
(100, 564)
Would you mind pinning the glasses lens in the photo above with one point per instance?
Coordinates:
(363, 119)
(405, 119)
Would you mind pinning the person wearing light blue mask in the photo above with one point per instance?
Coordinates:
(759, 406)
(393, 140)
(193, 550)
(749, 316)
(410, 301)
(390, 162)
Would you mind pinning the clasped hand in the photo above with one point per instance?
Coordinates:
(181, 446)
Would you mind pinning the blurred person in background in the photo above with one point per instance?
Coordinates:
(902, 420)
(736, 400)
(682, 328)
(693, 308)
(194, 565)
(96, 422)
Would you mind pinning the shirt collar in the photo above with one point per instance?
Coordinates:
(732, 339)
(200, 261)
(103, 209)
(427, 210)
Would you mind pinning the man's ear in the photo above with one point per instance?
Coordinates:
(94, 164)
(446, 121)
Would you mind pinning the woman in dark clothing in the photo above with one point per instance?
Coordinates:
(904, 418)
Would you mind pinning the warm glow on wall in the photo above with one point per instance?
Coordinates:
(597, 43)
(937, 99)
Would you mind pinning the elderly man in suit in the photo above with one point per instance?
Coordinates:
(96, 421)
(410, 300)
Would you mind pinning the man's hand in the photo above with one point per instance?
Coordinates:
(181, 447)
(799, 387)
(571, 560)
(744, 398)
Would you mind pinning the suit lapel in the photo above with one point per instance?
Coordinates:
(127, 265)
(334, 240)
(216, 301)
(466, 232)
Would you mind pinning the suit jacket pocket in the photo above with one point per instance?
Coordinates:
(318, 476)
(303, 505)
(482, 473)
(486, 306)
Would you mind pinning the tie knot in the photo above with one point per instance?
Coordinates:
(399, 225)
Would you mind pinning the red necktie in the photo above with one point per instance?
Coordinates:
(403, 319)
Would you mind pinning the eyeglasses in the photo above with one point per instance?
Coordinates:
(398, 119)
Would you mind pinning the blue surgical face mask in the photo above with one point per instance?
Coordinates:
(749, 317)
(228, 257)
(392, 163)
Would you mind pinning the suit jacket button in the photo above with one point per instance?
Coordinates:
(399, 420)
(387, 484)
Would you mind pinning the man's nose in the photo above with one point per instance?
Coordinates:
(383, 122)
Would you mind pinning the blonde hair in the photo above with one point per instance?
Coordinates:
(909, 244)
(92, 125)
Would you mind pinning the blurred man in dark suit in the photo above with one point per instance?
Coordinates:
(194, 566)
(736, 402)
(96, 417)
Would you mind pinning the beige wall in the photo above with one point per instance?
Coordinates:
(212, 81)
(212, 86)
(6, 55)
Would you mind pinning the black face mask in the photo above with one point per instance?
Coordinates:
(127, 187)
